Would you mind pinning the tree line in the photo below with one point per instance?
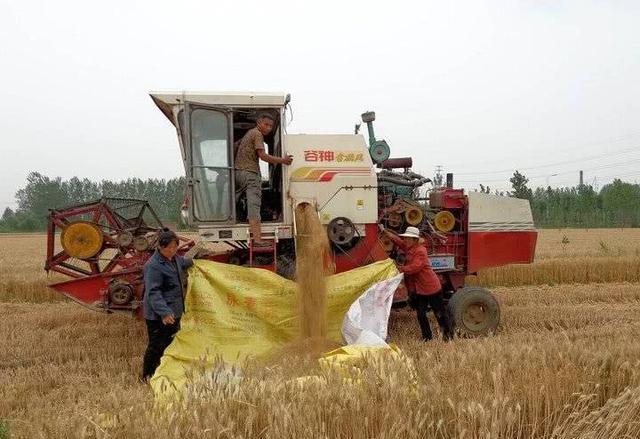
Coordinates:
(42, 193)
(615, 205)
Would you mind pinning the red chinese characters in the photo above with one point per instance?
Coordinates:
(250, 303)
(311, 156)
(315, 155)
(232, 300)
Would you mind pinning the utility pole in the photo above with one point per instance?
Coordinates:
(438, 178)
(581, 178)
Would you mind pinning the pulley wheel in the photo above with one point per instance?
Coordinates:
(394, 220)
(120, 293)
(124, 239)
(341, 230)
(386, 243)
(444, 221)
(413, 216)
(81, 239)
(379, 151)
(152, 240)
(141, 244)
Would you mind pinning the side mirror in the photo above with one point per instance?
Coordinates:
(184, 213)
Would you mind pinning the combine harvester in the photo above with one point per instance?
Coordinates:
(353, 185)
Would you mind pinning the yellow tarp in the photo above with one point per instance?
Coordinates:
(235, 312)
(351, 361)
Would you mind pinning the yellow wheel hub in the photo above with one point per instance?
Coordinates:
(413, 216)
(444, 221)
(81, 239)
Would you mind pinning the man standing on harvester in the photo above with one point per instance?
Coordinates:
(248, 179)
(422, 283)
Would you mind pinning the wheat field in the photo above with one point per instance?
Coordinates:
(565, 363)
(562, 256)
(573, 256)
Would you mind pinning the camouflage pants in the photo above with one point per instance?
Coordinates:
(250, 183)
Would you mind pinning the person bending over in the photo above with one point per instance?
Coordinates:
(422, 283)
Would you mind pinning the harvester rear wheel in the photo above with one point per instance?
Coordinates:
(81, 239)
(475, 311)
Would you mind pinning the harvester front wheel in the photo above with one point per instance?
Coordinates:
(475, 311)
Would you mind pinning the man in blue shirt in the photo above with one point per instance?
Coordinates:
(164, 275)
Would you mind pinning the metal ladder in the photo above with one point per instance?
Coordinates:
(272, 238)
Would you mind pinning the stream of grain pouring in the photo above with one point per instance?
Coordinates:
(312, 267)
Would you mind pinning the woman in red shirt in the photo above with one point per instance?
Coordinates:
(422, 283)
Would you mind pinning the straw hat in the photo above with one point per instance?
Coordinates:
(411, 232)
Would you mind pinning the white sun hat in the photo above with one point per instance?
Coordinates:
(411, 232)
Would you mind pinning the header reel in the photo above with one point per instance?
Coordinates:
(103, 246)
(96, 236)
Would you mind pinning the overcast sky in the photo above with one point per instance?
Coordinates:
(479, 87)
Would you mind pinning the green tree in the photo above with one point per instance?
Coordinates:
(621, 202)
(7, 222)
(520, 188)
(42, 193)
(39, 195)
(7, 214)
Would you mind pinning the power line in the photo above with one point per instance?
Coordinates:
(607, 166)
(568, 146)
(539, 176)
(566, 162)
(632, 174)
(554, 182)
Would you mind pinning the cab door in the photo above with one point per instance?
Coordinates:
(210, 164)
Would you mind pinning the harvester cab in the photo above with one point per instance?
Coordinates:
(335, 173)
(209, 127)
